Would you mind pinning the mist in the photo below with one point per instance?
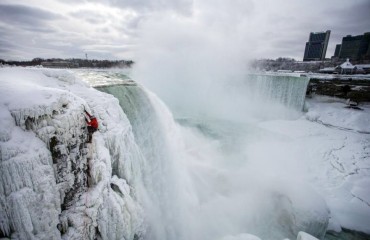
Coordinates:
(181, 57)
(210, 178)
(196, 62)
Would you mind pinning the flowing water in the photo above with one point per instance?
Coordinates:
(197, 172)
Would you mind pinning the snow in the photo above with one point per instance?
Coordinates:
(244, 236)
(347, 65)
(326, 77)
(333, 112)
(333, 148)
(363, 65)
(305, 236)
(44, 179)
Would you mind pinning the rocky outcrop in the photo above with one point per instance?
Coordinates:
(346, 234)
(356, 90)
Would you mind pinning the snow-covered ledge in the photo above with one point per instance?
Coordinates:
(53, 184)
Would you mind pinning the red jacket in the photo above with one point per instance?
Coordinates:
(93, 123)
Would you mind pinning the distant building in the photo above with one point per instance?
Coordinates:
(337, 50)
(316, 46)
(355, 47)
(347, 68)
(364, 67)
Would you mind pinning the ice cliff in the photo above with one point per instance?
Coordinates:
(53, 184)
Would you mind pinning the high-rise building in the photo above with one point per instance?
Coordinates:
(355, 47)
(337, 50)
(316, 46)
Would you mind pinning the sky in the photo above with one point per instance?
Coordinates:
(126, 29)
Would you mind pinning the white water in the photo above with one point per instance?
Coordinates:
(256, 97)
(199, 177)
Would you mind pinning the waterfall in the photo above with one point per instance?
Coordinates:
(156, 134)
(192, 186)
(289, 91)
(258, 97)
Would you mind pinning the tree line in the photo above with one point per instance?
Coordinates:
(71, 62)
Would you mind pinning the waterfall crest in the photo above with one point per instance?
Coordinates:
(257, 97)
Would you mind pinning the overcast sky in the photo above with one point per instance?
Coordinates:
(114, 29)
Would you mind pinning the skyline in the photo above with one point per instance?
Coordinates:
(110, 29)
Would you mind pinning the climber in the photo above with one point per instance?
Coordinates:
(92, 124)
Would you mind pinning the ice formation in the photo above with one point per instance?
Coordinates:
(53, 184)
(305, 236)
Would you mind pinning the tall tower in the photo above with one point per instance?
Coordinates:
(337, 50)
(316, 46)
(355, 47)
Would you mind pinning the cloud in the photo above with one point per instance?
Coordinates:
(20, 26)
(70, 32)
(145, 6)
(25, 15)
(90, 16)
(257, 29)
(6, 46)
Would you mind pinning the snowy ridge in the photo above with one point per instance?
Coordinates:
(50, 178)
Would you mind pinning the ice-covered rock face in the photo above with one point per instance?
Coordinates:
(28, 192)
(54, 184)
